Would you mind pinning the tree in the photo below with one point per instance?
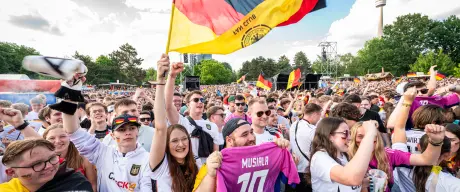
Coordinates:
(11, 56)
(150, 74)
(127, 60)
(425, 61)
(445, 35)
(209, 69)
(283, 64)
(227, 65)
(301, 61)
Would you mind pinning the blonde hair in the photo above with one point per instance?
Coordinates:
(379, 152)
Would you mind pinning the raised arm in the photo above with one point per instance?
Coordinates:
(172, 114)
(431, 85)
(353, 172)
(157, 150)
(430, 156)
(14, 118)
(403, 114)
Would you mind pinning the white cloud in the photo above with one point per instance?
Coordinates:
(360, 25)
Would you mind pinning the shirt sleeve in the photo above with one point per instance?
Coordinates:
(200, 176)
(161, 169)
(398, 158)
(217, 138)
(450, 100)
(88, 146)
(322, 164)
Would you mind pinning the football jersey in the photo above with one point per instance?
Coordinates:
(444, 102)
(413, 138)
(256, 168)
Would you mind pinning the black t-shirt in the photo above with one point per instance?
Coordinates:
(371, 115)
(375, 108)
(102, 134)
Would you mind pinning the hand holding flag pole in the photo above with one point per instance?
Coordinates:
(169, 34)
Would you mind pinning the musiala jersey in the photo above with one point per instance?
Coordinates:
(256, 168)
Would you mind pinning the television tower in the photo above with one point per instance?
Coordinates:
(380, 4)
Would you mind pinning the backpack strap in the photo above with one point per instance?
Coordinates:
(194, 123)
(295, 137)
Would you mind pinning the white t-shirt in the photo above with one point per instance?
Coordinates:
(264, 137)
(305, 135)
(162, 176)
(31, 116)
(403, 176)
(321, 165)
(209, 127)
(413, 138)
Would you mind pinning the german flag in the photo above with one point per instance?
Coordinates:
(357, 80)
(263, 83)
(440, 76)
(224, 26)
(294, 79)
(242, 78)
(411, 74)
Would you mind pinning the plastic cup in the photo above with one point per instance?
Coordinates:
(379, 180)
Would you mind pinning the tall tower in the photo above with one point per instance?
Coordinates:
(380, 4)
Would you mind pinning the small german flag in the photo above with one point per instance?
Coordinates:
(294, 78)
(412, 74)
(132, 119)
(263, 83)
(440, 76)
(357, 80)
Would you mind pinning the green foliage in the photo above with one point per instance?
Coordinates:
(442, 61)
(213, 72)
(150, 74)
(11, 56)
(301, 61)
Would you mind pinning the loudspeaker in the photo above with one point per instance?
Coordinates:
(311, 81)
(192, 83)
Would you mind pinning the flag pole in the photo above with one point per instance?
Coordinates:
(169, 33)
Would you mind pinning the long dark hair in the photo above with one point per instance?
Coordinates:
(421, 173)
(73, 158)
(321, 141)
(182, 179)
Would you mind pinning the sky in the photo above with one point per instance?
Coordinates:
(96, 27)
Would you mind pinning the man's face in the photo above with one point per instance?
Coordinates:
(196, 103)
(375, 101)
(55, 117)
(177, 102)
(273, 118)
(365, 104)
(273, 104)
(218, 103)
(242, 136)
(126, 135)
(127, 109)
(42, 159)
(218, 118)
(98, 113)
(259, 114)
(357, 105)
(145, 119)
(422, 91)
(239, 106)
(37, 106)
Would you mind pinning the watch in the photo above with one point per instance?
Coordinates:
(23, 126)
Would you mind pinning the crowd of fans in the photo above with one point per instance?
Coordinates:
(161, 139)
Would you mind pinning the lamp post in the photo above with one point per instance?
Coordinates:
(380, 4)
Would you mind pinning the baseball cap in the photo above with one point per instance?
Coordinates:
(231, 126)
(122, 120)
(231, 99)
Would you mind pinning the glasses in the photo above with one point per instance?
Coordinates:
(198, 99)
(260, 113)
(422, 91)
(346, 133)
(40, 166)
(176, 141)
(239, 104)
(144, 119)
(221, 115)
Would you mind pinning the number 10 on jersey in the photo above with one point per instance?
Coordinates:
(246, 177)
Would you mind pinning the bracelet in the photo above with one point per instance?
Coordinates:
(23, 126)
(407, 104)
(435, 144)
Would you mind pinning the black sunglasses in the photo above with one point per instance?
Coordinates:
(198, 99)
(144, 119)
(423, 91)
(239, 104)
(267, 113)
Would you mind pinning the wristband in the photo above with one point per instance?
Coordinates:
(407, 104)
(23, 126)
(436, 144)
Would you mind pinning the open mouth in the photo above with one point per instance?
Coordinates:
(180, 150)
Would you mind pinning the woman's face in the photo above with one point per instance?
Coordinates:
(178, 145)
(60, 140)
(454, 142)
(341, 137)
(360, 135)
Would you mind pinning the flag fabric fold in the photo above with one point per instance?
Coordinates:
(263, 82)
(440, 76)
(357, 80)
(242, 78)
(294, 78)
(411, 74)
(224, 26)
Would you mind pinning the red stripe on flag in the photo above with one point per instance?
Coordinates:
(306, 7)
(217, 15)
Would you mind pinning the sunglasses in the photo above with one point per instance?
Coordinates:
(239, 104)
(198, 99)
(144, 119)
(346, 133)
(422, 91)
(267, 113)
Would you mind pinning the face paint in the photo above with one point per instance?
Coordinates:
(118, 140)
